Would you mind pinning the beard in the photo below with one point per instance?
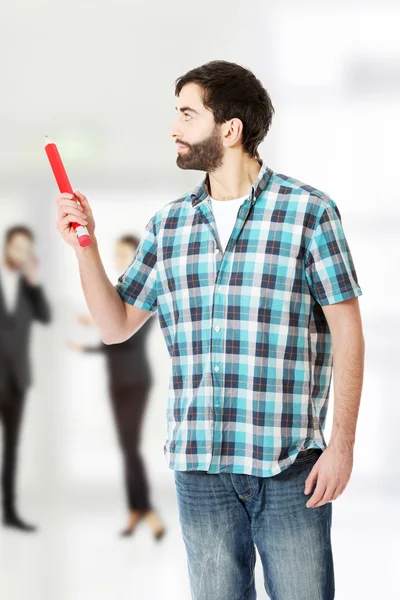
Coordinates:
(203, 156)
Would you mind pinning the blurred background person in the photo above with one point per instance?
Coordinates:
(129, 381)
(22, 300)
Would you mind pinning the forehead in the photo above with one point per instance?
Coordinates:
(125, 246)
(190, 95)
(21, 240)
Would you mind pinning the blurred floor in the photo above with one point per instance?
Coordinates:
(78, 555)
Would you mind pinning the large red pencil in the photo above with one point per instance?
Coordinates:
(64, 186)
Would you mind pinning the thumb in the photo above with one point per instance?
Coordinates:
(310, 481)
(82, 199)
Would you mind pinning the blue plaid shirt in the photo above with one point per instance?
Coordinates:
(249, 343)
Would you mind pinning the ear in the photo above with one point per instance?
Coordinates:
(232, 132)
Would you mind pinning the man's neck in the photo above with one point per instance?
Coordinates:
(234, 178)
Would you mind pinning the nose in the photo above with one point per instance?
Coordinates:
(175, 130)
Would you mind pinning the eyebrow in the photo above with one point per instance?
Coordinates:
(187, 109)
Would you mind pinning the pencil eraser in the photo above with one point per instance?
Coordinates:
(84, 240)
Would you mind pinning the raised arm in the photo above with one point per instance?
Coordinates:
(114, 318)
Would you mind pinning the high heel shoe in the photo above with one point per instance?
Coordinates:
(159, 534)
(17, 523)
(128, 531)
(156, 525)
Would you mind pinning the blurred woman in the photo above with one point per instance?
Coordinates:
(129, 386)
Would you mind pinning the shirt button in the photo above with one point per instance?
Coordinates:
(219, 288)
(216, 368)
(217, 328)
(216, 250)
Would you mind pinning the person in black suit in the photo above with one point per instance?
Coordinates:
(129, 386)
(22, 301)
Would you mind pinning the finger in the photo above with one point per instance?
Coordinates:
(84, 202)
(74, 203)
(336, 492)
(62, 211)
(65, 222)
(70, 210)
(311, 480)
(65, 196)
(73, 218)
(327, 497)
(69, 203)
(81, 197)
(317, 495)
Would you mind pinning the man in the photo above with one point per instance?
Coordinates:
(22, 301)
(256, 294)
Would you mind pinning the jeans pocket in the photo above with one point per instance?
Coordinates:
(307, 456)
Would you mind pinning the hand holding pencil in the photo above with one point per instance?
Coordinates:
(73, 208)
(63, 224)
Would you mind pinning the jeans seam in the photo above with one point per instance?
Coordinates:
(252, 584)
(252, 487)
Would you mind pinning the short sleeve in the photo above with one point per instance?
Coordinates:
(138, 284)
(329, 266)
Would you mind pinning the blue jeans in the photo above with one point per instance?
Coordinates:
(224, 517)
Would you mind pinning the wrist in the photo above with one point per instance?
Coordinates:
(345, 444)
(79, 250)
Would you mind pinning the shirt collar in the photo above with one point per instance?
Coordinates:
(201, 192)
(6, 271)
(9, 274)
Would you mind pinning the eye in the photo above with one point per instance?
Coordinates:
(186, 115)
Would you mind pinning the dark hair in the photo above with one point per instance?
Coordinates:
(130, 239)
(232, 91)
(18, 229)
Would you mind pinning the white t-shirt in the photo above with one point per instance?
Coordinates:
(9, 281)
(225, 214)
